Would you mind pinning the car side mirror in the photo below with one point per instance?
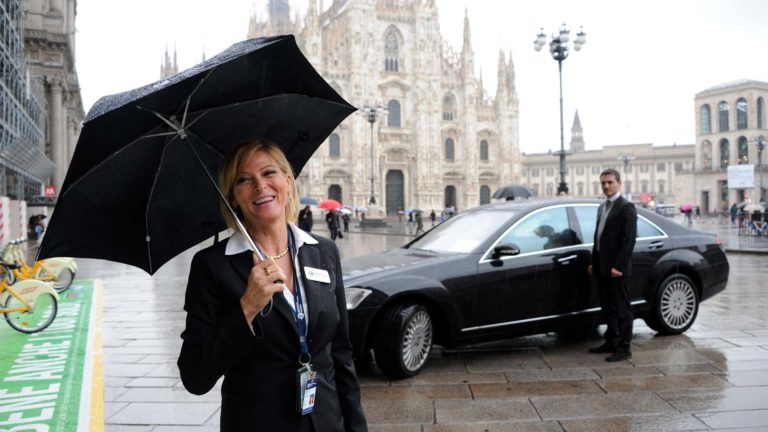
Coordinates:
(509, 249)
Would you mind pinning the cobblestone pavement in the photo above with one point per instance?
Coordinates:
(714, 377)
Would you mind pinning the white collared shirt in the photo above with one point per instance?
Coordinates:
(238, 244)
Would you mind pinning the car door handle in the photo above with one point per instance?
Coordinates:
(656, 245)
(566, 260)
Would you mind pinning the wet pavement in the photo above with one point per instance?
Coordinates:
(714, 377)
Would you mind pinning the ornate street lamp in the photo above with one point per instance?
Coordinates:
(559, 49)
(371, 113)
(626, 159)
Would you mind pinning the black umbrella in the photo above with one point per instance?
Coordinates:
(513, 191)
(141, 189)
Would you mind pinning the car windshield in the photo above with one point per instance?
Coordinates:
(464, 232)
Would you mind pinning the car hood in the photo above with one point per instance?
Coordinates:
(362, 270)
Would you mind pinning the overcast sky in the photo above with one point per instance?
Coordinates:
(633, 82)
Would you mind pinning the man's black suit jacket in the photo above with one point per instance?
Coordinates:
(259, 388)
(617, 241)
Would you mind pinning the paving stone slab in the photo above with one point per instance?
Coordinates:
(539, 388)
(736, 354)
(672, 382)
(430, 392)
(733, 419)
(726, 399)
(648, 423)
(394, 428)
(152, 382)
(599, 405)
(741, 365)
(526, 426)
(611, 372)
(452, 378)
(666, 357)
(687, 369)
(133, 370)
(493, 362)
(551, 375)
(149, 394)
(485, 410)
(164, 413)
(748, 378)
(399, 411)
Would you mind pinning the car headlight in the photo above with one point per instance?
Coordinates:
(355, 296)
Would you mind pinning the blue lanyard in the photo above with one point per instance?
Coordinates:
(298, 312)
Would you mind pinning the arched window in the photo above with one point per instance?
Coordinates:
(483, 150)
(595, 188)
(580, 189)
(706, 119)
(760, 113)
(660, 187)
(722, 113)
(741, 113)
(644, 186)
(448, 107)
(393, 116)
(706, 154)
(335, 145)
(743, 150)
(535, 188)
(391, 56)
(449, 155)
(725, 151)
(550, 189)
(485, 195)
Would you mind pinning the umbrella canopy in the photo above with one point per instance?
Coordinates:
(345, 210)
(686, 207)
(329, 204)
(140, 188)
(307, 201)
(513, 191)
(753, 207)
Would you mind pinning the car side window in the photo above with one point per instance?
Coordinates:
(645, 229)
(587, 216)
(546, 229)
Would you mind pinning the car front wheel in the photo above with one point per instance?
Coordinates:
(676, 305)
(404, 340)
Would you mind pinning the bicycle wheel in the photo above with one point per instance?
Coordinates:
(63, 280)
(38, 318)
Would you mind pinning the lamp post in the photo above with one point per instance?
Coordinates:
(626, 159)
(371, 113)
(559, 49)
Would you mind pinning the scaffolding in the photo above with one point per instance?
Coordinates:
(24, 167)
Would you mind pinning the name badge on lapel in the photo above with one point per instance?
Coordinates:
(318, 275)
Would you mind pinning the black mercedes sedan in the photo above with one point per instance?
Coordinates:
(518, 268)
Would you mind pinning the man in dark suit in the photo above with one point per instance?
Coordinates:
(612, 265)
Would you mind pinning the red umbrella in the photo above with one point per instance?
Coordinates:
(329, 204)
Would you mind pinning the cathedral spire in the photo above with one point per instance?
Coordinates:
(577, 134)
(501, 73)
(467, 56)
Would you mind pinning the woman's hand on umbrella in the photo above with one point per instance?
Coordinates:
(261, 286)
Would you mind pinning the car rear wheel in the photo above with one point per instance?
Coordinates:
(404, 340)
(676, 305)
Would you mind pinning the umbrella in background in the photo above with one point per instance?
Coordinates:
(345, 210)
(307, 201)
(513, 191)
(749, 208)
(686, 207)
(141, 189)
(329, 204)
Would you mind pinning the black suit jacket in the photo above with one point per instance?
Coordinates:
(259, 388)
(617, 241)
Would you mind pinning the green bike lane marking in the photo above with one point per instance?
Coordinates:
(52, 381)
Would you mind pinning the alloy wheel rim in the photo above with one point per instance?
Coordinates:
(417, 341)
(678, 304)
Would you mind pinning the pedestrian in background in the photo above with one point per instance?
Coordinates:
(419, 223)
(734, 212)
(332, 220)
(432, 217)
(305, 219)
(612, 266)
(345, 220)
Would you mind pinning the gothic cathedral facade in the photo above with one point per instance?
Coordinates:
(440, 140)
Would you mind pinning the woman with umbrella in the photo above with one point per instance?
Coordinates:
(289, 368)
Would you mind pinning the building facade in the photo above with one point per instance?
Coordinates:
(49, 42)
(442, 141)
(730, 119)
(24, 167)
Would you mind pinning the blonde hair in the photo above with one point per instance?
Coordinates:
(232, 164)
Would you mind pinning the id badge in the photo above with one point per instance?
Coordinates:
(306, 380)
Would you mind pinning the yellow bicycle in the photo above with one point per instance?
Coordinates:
(29, 306)
(60, 271)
